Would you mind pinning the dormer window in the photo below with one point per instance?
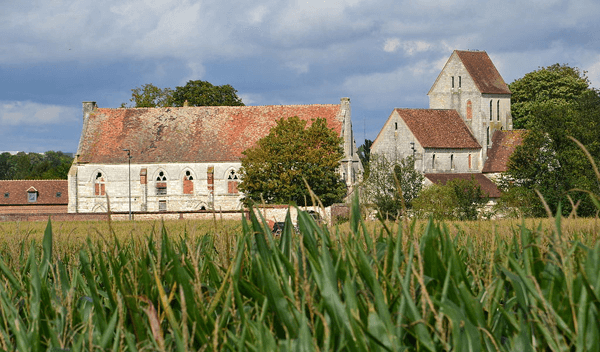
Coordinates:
(32, 195)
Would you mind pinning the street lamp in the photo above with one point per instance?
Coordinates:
(129, 177)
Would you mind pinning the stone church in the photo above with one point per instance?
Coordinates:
(182, 158)
(467, 126)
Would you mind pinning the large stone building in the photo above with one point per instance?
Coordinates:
(469, 109)
(182, 158)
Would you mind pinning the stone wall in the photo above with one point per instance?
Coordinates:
(146, 187)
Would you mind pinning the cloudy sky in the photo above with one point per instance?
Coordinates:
(383, 54)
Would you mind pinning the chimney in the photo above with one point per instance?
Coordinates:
(88, 108)
(345, 104)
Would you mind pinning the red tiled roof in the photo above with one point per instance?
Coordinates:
(503, 145)
(438, 128)
(14, 192)
(484, 73)
(187, 134)
(487, 186)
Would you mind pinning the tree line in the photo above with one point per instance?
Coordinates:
(35, 166)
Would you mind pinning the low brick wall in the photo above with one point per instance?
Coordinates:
(199, 215)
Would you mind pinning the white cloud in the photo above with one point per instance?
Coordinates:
(28, 113)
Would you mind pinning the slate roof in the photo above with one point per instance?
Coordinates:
(187, 134)
(484, 73)
(438, 128)
(487, 186)
(504, 144)
(14, 192)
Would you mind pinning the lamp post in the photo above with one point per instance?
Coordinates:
(129, 178)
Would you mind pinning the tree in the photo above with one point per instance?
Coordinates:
(551, 162)
(202, 93)
(554, 103)
(274, 169)
(34, 166)
(149, 96)
(391, 185)
(556, 85)
(196, 93)
(458, 199)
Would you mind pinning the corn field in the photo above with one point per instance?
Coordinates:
(409, 287)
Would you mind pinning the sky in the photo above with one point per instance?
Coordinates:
(382, 54)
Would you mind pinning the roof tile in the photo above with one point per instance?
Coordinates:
(14, 192)
(484, 73)
(439, 128)
(187, 134)
(504, 144)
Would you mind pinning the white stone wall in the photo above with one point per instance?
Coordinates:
(396, 141)
(144, 197)
(459, 158)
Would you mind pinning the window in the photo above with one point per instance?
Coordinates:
(451, 161)
(470, 162)
(491, 110)
(162, 205)
(459, 81)
(469, 110)
(161, 184)
(433, 161)
(498, 111)
(232, 182)
(488, 137)
(396, 124)
(188, 183)
(31, 196)
(452, 81)
(99, 185)
(6, 195)
(58, 194)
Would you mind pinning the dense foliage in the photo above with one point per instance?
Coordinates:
(33, 166)
(549, 160)
(457, 199)
(391, 290)
(292, 156)
(391, 185)
(554, 86)
(196, 93)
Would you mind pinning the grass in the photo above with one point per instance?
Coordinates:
(499, 285)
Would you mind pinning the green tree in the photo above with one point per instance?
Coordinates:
(150, 96)
(549, 161)
(458, 199)
(556, 86)
(391, 185)
(202, 93)
(275, 169)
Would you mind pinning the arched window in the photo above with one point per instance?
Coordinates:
(469, 110)
(498, 111)
(232, 182)
(161, 184)
(470, 162)
(491, 108)
(188, 183)
(433, 161)
(99, 185)
(451, 161)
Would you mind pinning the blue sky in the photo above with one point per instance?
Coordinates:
(381, 53)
